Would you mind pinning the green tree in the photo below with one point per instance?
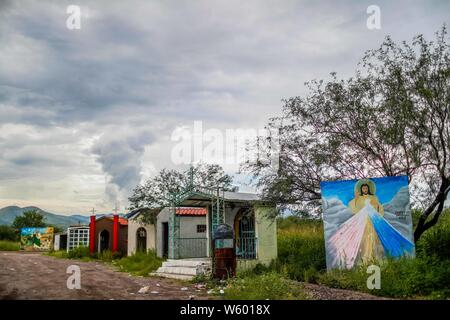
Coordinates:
(391, 118)
(8, 233)
(29, 219)
(156, 192)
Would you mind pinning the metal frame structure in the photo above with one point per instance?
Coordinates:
(218, 208)
(77, 236)
(217, 196)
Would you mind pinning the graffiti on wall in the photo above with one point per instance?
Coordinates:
(366, 221)
(36, 239)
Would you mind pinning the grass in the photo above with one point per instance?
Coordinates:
(426, 277)
(81, 253)
(140, 263)
(270, 285)
(436, 240)
(78, 253)
(6, 245)
(301, 249)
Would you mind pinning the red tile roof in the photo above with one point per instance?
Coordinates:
(191, 211)
(122, 221)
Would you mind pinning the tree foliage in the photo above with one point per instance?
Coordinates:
(29, 219)
(8, 233)
(156, 192)
(391, 118)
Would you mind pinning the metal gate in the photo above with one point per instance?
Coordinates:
(192, 247)
(246, 242)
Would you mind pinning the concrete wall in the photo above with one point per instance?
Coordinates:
(107, 224)
(196, 245)
(123, 239)
(56, 242)
(188, 226)
(133, 226)
(266, 232)
(100, 225)
(188, 229)
(162, 217)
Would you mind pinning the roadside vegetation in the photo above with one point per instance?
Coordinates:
(427, 276)
(301, 248)
(140, 263)
(269, 285)
(7, 245)
(9, 238)
(10, 234)
(80, 253)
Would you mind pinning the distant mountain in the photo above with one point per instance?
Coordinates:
(8, 214)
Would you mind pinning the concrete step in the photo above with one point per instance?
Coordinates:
(183, 269)
(178, 270)
(189, 263)
(173, 276)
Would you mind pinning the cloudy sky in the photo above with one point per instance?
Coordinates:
(86, 114)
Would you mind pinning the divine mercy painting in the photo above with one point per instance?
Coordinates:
(366, 221)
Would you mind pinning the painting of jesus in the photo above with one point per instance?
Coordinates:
(364, 225)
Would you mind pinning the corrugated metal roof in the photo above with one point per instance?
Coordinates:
(131, 214)
(136, 212)
(241, 196)
(228, 196)
(190, 211)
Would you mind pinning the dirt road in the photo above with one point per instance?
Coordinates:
(35, 276)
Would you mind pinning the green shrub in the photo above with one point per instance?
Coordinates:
(203, 278)
(116, 255)
(272, 286)
(436, 240)
(105, 255)
(78, 253)
(57, 254)
(258, 269)
(140, 263)
(9, 233)
(6, 245)
(311, 275)
(401, 278)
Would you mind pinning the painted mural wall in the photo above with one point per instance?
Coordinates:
(36, 239)
(366, 221)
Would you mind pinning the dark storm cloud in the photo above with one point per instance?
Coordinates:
(121, 159)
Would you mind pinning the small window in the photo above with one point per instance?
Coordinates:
(201, 228)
